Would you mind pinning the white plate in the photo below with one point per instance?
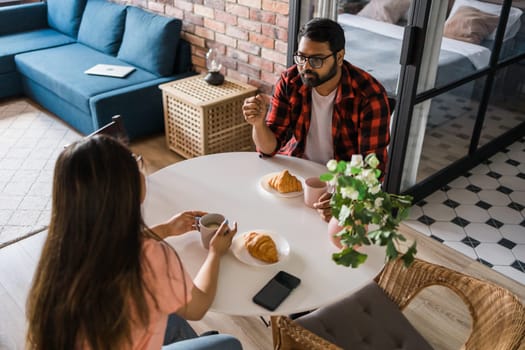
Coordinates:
(241, 253)
(264, 184)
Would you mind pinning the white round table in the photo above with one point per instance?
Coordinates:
(229, 183)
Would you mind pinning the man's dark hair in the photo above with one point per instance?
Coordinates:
(324, 30)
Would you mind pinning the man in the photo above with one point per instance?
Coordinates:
(322, 107)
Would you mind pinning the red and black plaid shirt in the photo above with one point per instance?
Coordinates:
(360, 123)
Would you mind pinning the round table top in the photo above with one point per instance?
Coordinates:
(230, 184)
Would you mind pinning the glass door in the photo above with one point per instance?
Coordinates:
(444, 124)
(419, 61)
(455, 68)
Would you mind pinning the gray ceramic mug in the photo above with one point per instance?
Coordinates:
(207, 225)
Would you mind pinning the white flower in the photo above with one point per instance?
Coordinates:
(344, 213)
(378, 202)
(331, 165)
(356, 161)
(349, 192)
(368, 176)
(372, 160)
(375, 189)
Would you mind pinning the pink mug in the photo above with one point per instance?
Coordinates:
(313, 189)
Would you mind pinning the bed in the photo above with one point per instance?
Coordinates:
(381, 59)
(375, 46)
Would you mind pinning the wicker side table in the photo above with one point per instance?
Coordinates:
(202, 119)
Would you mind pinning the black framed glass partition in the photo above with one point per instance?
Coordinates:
(460, 97)
(469, 113)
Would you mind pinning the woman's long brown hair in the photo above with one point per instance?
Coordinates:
(90, 267)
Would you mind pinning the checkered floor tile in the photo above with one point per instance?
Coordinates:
(449, 126)
(482, 214)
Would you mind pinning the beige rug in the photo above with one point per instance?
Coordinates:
(30, 141)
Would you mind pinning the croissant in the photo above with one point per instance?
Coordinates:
(285, 182)
(261, 246)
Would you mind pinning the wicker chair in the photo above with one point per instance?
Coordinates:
(498, 317)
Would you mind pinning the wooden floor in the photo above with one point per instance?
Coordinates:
(438, 314)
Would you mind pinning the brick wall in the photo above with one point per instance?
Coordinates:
(251, 35)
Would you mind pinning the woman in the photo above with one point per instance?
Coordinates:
(104, 279)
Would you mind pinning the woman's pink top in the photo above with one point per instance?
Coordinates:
(166, 278)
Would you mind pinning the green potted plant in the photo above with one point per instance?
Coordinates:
(365, 214)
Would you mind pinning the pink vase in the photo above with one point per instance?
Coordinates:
(333, 228)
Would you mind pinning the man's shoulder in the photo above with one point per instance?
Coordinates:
(356, 71)
(362, 82)
(290, 73)
(290, 81)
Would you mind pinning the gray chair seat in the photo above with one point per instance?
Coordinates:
(372, 317)
(366, 320)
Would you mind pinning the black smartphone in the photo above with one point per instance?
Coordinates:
(276, 290)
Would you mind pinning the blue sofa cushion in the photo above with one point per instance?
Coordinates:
(150, 41)
(21, 18)
(61, 70)
(102, 26)
(13, 44)
(65, 15)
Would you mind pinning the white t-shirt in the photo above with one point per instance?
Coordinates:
(319, 145)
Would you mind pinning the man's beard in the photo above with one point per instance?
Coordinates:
(315, 79)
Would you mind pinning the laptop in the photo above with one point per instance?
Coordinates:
(110, 70)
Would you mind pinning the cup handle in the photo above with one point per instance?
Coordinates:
(227, 228)
(197, 226)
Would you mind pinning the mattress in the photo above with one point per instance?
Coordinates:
(478, 55)
(376, 47)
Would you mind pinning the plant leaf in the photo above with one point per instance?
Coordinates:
(341, 166)
(391, 251)
(408, 257)
(326, 177)
(349, 257)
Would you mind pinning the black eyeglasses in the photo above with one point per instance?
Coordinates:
(315, 61)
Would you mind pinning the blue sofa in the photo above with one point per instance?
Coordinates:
(45, 48)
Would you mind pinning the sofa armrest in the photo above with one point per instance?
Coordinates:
(183, 58)
(21, 18)
(139, 105)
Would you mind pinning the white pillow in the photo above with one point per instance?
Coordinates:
(389, 11)
(513, 24)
